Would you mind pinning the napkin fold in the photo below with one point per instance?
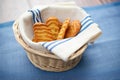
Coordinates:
(66, 47)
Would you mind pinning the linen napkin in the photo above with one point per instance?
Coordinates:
(62, 48)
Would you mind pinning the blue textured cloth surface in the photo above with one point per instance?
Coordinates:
(101, 61)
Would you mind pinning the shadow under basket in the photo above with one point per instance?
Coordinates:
(48, 61)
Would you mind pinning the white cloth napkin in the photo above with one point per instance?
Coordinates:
(62, 48)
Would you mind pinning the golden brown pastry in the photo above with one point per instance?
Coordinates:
(42, 33)
(63, 29)
(53, 29)
(73, 29)
(54, 24)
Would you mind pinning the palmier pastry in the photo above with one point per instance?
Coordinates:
(73, 29)
(63, 29)
(54, 24)
(42, 33)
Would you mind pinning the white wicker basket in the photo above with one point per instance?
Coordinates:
(48, 61)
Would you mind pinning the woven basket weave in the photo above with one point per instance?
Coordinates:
(48, 61)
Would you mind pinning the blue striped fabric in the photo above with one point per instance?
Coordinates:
(86, 22)
(36, 15)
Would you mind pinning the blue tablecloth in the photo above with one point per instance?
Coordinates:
(101, 61)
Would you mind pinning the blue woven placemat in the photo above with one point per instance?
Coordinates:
(101, 61)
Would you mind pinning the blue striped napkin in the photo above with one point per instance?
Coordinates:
(66, 47)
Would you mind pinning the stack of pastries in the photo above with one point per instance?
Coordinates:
(53, 29)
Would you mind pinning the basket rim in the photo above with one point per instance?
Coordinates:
(31, 50)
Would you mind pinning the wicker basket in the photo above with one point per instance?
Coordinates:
(47, 61)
